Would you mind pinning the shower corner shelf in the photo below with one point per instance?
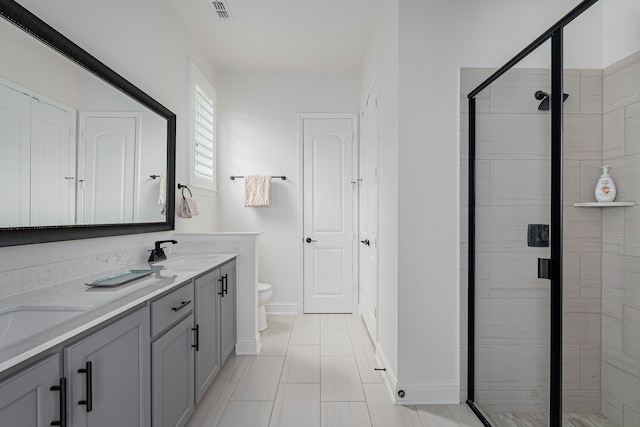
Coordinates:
(603, 204)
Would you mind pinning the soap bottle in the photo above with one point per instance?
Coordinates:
(605, 189)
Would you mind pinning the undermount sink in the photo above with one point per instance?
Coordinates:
(18, 323)
(188, 262)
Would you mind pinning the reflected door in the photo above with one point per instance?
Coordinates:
(53, 165)
(108, 156)
(328, 215)
(15, 166)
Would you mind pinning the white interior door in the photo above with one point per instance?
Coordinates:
(328, 214)
(107, 168)
(368, 213)
(15, 141)
(53, 155)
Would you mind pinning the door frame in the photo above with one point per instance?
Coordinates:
(355, 150)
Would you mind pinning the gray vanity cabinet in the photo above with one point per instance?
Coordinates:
(207, 359)
(109, 375)
(26, 398)
(172, 375)
(172, 357)
(227, 310)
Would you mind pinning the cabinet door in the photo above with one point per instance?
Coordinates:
(207, 357)
(228, 311)
(173, 376)
(26, 399)
(109, 375)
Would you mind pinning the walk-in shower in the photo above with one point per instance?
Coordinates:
(551, 278)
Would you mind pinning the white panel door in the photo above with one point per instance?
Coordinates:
(107, 170)
(328, 215)
(52, 164)
(368, 213)
(15, 139)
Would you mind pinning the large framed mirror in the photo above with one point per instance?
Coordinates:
(83, 152)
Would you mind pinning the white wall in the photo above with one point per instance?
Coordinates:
(435, 40)
(381, 63)
(258, 133)
(621, 29)
(147, 44)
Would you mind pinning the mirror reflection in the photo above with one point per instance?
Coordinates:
(73, 149)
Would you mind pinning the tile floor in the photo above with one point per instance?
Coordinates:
(314, 370)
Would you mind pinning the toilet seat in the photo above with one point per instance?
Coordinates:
(264, 287)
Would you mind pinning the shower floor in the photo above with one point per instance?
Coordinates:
(538, 419)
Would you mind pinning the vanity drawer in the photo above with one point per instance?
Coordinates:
(171, 308)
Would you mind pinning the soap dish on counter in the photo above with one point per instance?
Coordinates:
(120, 278)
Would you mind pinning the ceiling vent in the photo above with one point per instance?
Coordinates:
(221, 9)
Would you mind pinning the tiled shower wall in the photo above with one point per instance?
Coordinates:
(512, 305)
(621, 246)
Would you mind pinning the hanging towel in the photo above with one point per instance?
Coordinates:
(162, 193)
(188, 206)
(257, 190)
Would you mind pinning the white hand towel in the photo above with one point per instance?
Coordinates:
(162, 193)
(257, 190)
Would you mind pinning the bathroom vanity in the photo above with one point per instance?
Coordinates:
(139, 354)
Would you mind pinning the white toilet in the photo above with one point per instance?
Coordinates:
(264, 296)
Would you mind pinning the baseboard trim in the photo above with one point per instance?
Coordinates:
(427, 394)
(390, 378)
(282, 308)
(248, 348)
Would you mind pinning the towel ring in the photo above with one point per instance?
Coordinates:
(182, 187)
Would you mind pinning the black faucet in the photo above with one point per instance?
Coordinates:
(158, 254)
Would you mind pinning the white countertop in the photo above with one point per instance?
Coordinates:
(102, 303)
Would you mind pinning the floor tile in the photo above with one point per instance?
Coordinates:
(353, 318)
(239, 413)
(314, 318)
(305, 333)
(260, 379)
(339, 380)
(232, 369)
(448, 416)
(335, 342)
(280, 321)
(274, 342)
(332, 321)
(302, 365)
(209, 410)
(344, 414)
(366, 361)
(296, 405)
(359, 334)
(384, 413)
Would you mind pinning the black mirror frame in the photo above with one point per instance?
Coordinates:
(13, 236)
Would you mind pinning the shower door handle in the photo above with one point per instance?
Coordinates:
(544, 268)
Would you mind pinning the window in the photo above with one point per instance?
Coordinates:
(202, 119)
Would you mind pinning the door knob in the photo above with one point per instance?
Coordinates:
(365, 242)
(309, 240)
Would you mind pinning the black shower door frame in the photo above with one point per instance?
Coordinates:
(555, 34)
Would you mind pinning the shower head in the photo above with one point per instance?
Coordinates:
(544, 97)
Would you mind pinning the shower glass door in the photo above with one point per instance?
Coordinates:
(512, 204)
